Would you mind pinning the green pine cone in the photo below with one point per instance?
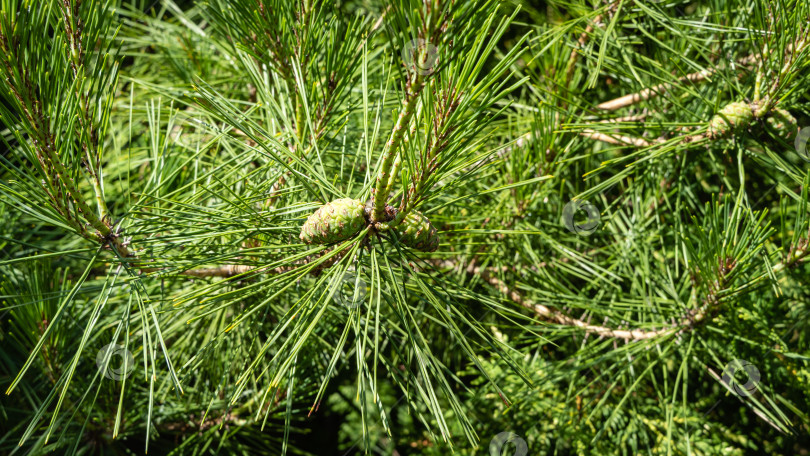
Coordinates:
(733, 117)
(783, 124)
(333, 222)
(417, 232)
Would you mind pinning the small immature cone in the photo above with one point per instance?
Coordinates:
(417, 232)
(733, 117)
(333, 222)
(783, 124)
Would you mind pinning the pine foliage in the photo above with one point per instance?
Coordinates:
(404, 227)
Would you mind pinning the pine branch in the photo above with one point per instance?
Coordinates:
(378, 196)
(583, 39)
(619, 140)
(694, 316)
(232, 270)
(556, 316)
(660, 89)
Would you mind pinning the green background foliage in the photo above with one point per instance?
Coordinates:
(600, 265)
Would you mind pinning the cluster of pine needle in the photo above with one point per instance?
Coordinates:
(405, 227)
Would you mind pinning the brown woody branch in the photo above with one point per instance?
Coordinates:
(232, 270)
(693, 317)
(557, 316)
(646, 94)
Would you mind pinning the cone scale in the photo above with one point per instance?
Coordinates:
(783, 124)
(732, 118)
(334, 221)
(417, 232)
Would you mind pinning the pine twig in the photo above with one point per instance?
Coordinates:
(232, 270)
(228, 270)
(556, 316)
(378, 195)
(583, 40)
(615, 139)
(693, 318)
(646, 94)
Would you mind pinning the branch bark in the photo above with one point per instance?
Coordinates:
(692, 318)
(646, 94)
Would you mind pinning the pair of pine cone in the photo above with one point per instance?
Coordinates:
(345, 217)
(738, 116)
